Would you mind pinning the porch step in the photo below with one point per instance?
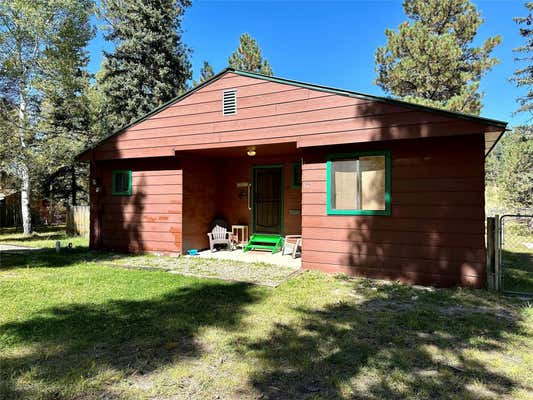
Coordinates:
(260, 241)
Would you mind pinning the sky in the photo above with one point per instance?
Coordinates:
(333, 43)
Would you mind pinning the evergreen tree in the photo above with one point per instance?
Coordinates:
(65, 127)
(149, 64)
(248, 57)
(431, 60)
(36, 42)
(523, 77)
(516, 177)
(206, 72)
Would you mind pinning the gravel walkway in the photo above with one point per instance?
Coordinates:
(230, 270)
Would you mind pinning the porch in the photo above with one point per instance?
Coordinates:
(256, 257)
(257, 187)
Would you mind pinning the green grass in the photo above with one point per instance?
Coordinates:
(71, 328)
(45, 237)
(85, 331)
(517, 260)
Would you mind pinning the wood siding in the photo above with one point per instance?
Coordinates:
(150, 220)
(271, 112)
(435, 234)
(200, 201)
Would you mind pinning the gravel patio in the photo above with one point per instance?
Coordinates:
(260, 268)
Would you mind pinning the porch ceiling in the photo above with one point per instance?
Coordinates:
(266, 150)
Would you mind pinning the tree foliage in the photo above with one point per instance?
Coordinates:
(206, 73)
(149, 64)
(38, 42)
(430, 59)
(515, 174)
(65, 124)
(523, 77)
(248, 57)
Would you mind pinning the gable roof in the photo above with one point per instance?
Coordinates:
(499, 125)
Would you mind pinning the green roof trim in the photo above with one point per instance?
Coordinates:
(343, 92)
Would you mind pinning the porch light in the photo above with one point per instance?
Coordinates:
(251, 151)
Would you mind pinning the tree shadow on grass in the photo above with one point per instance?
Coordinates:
(48, 258)
(39, 233)
(517, 268)
(71, 344)
(389, 346)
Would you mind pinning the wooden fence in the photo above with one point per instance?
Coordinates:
(10, 215)
(78, 220)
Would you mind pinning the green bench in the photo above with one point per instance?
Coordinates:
(260, 241)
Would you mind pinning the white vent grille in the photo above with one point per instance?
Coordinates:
(229, 102)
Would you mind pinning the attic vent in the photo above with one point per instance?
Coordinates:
(229, 102)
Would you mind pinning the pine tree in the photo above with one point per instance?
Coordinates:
(149, 64)
(206, 72)
(65, 125)
(523, 77)
(516, 177)
(36, 41)
(431, 60)
(248, 57)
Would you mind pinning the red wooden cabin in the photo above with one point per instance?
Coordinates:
(377, 187)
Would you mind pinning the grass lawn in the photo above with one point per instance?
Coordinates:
(71, 328)
(517, 259)
(45, 236)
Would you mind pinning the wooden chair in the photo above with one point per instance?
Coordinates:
(220, 235)
(292, 242)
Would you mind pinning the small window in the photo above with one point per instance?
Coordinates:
(121, 183)
(359, 184)
(229, 102)
(296, 175)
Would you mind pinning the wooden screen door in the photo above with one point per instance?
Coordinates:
(267, 204)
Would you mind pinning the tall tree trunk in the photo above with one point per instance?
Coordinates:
(24, 172)
(25, 190)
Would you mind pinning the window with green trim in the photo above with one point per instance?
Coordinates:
(296, 175)
(358, 183)
(121, 182)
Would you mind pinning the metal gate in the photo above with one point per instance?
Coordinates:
(514, 254)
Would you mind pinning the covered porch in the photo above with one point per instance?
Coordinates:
(255, 188)
(254, 256)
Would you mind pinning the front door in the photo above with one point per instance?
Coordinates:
(267, 200)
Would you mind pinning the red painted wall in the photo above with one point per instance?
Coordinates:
(200, 200)
(270, 112)
(148, 220)
(435, 235)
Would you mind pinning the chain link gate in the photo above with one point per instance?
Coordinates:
(514, 254)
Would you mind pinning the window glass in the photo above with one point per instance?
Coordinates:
(344, 184)
(122, 182)
(372, 182)
(358, 184)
